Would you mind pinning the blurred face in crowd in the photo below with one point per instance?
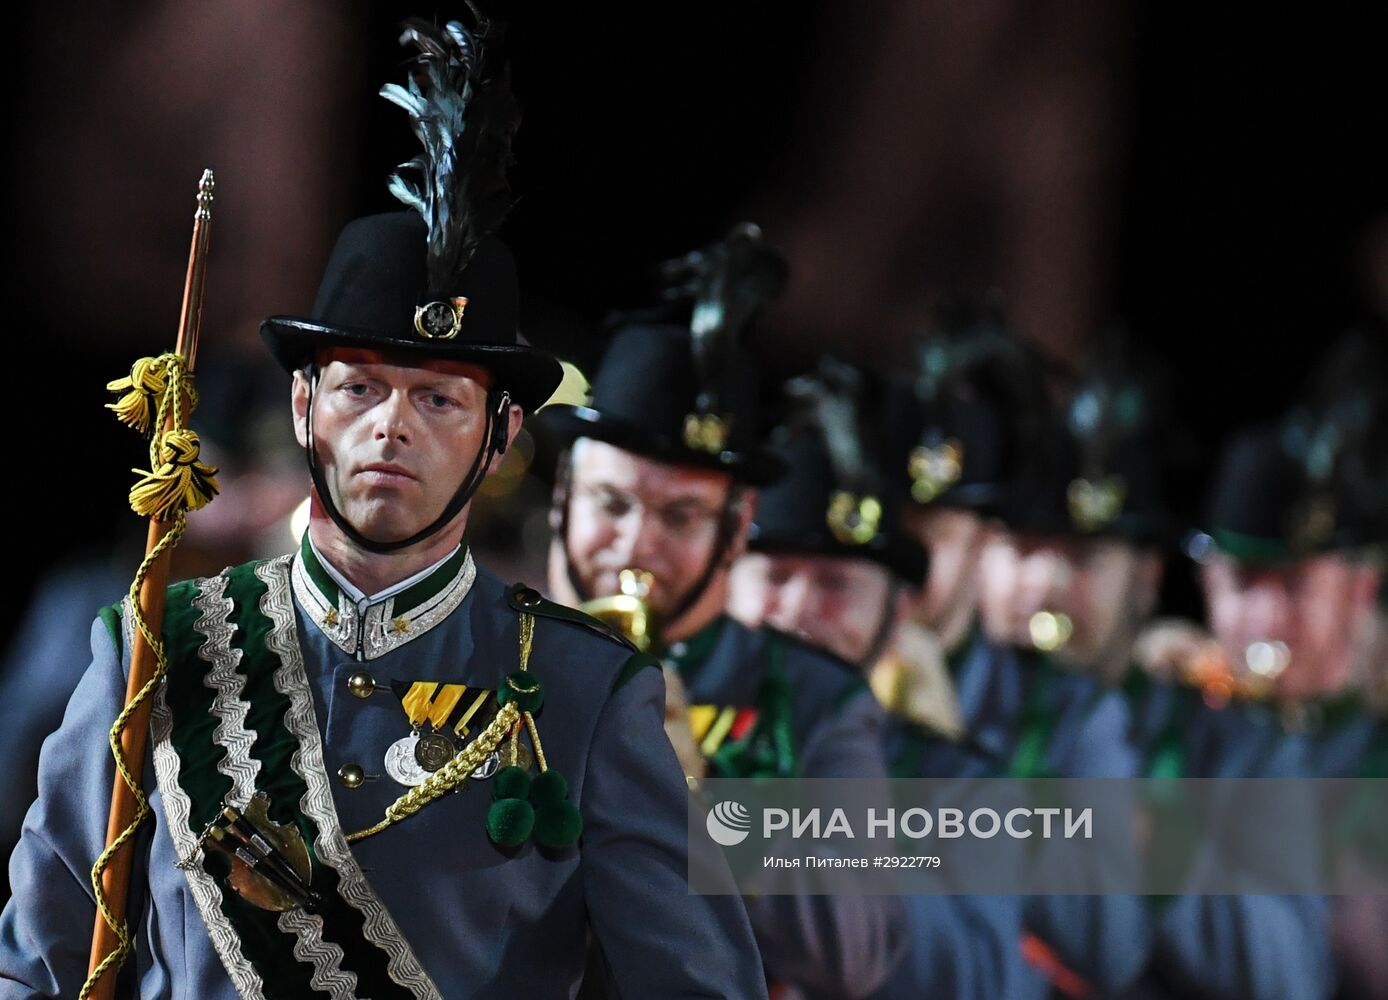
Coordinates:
(839, 604)
(393, 439)
(954, 538)
(1315, 610)
(1104, 587)
(626, 511)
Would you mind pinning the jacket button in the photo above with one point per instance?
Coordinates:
(361, 684)
(351, 775)
(528, 598)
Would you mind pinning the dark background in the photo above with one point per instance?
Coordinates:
(1210, 181)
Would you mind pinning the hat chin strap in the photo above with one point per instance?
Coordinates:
(886, 626)
(493, 443)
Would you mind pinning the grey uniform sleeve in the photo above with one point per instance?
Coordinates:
(1256, 946)
(841, 946)
(1106, 939)
(658, 939)
(1259, 947)
(45, 930)
(46, 658)
(963, 947)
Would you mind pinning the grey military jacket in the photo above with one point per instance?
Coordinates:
(1255, 946)
(1003, 694)
(456, 915)
(829, 946)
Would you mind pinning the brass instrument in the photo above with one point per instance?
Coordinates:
(1222, 680)
(1050, 630)
(913, 681)
(629, 610)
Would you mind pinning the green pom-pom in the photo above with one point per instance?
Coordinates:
(522, 688)
(509, 821)
(511, 783)
(557, 824)
(549, 786)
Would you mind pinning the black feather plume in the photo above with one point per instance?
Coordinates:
(1112, 404)
(836, 400)
(1338, 434)
(464, 114)
(965, 333)
(971, 352)
(727, 283)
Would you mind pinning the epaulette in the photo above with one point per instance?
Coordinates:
(529, 601)
(820, 652)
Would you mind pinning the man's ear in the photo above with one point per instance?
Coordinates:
(903, 601)
(298, 399)
(1367, 581)
(559, 499)
(515, 416)
(990, 531)
(1150, 567)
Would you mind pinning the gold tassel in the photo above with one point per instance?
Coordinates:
(141, 387)
(180, 482)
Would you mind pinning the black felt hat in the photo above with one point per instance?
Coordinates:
(955, 450)
(835, 500)
(1103, 463)
(1117, 496)
(1263, 507)
(687, 393)
(1256, 510)
(961, 424)
(434, 280)
(1315, 480)
(376, 288)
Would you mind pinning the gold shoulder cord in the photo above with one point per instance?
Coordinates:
(453, 774)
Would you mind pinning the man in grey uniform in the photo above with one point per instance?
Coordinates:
(1038, 718)
(320, 706)
(1101, 550)
(829, 562)
(656, 500)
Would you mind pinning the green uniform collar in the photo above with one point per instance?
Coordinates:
(1322, 715)
(383, 624)
(689, 654)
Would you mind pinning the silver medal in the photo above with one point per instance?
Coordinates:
(433, 750)
(488, 767)
(401, 763)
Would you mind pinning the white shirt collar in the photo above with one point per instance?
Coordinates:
(359, 598)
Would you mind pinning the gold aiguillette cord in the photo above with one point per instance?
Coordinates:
(453, 774)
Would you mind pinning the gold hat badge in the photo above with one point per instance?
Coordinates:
(1094, 504)
(706, 432)
(440, 319)
(854, 520)
(935, 469)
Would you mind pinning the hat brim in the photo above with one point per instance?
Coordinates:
(906, 561)
(1143, 531)
(529, 374)
(755, 467)
(982, 498)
